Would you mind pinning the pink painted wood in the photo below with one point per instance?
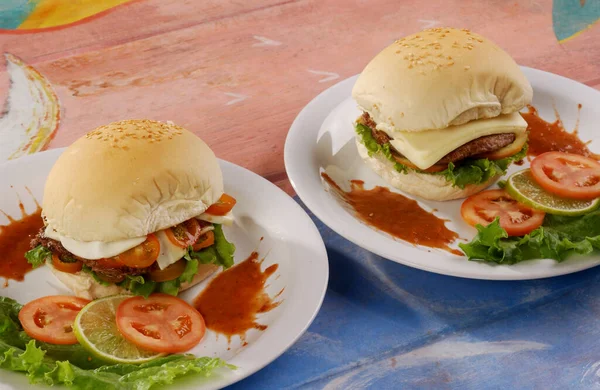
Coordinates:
(237, 75)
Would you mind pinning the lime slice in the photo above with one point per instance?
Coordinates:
(96, 330)
(521, 186)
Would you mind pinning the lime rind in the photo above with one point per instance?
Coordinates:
(96, 330)
(521, 186)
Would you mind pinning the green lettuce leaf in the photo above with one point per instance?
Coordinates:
(225, 249)
(138, 285)
(221, 253)
(558, 238)
(170, 287)
(70, 365)
(40, 369)
(366, 138)
(38, 256)
(204, 256)
(470, 171)
(94, 275)
(191, 269)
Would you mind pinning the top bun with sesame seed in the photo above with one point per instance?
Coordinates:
(438, 78)
(128, 209)
(442, 99)
(129, 179)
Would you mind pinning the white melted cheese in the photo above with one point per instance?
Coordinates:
(425, 148)
(94, 250)
(226, 219)
(169, 253)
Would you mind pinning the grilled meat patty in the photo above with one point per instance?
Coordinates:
(108, 274)
(485, 144)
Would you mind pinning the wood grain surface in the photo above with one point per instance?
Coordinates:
(237, 73)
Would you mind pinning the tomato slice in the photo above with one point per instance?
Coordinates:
(71, 267)
(204, 241)
(223, 205)
(50, 319)
(516, 218)
(171, 272)
(567, 175)
(160, 323)
(141, 256)
(431, 169)
(184, 234)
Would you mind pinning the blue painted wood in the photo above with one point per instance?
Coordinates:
(570, 17)
(14, 12)
(384, 326)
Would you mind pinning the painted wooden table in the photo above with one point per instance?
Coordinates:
(237, 73)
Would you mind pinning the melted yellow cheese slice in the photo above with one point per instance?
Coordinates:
(425, 148)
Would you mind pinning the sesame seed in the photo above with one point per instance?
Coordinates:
(467, 67)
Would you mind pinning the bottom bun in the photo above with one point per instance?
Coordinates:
(84, 286)
(424, 185)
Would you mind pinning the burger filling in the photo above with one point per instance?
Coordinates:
(162, 263)
(474, 162)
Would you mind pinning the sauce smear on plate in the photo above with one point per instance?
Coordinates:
(14, 243)
(548, 137)
(233, 299)
(396, 215)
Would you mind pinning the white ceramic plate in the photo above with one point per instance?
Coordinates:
(263, 210)
(322, 139)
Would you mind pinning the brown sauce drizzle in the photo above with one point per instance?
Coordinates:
(552, 136)
(14, 243)
(396, 215)
(233, 299)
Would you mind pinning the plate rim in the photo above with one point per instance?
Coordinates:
(226, 378)
(331, 97)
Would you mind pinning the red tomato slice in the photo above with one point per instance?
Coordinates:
(223, 205)
(141, 256)
(160, 323)
(516, 218)
(204, 241)
(184, 234)
(567, 175)
(50, 319)
(70, 267)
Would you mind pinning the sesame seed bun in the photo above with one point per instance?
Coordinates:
(438, 78)
(423, 185)
(129, 179)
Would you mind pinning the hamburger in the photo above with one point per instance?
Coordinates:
(441, 113)
(135, 207)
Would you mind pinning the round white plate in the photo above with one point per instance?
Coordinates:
(322, 139)
(263, 210)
